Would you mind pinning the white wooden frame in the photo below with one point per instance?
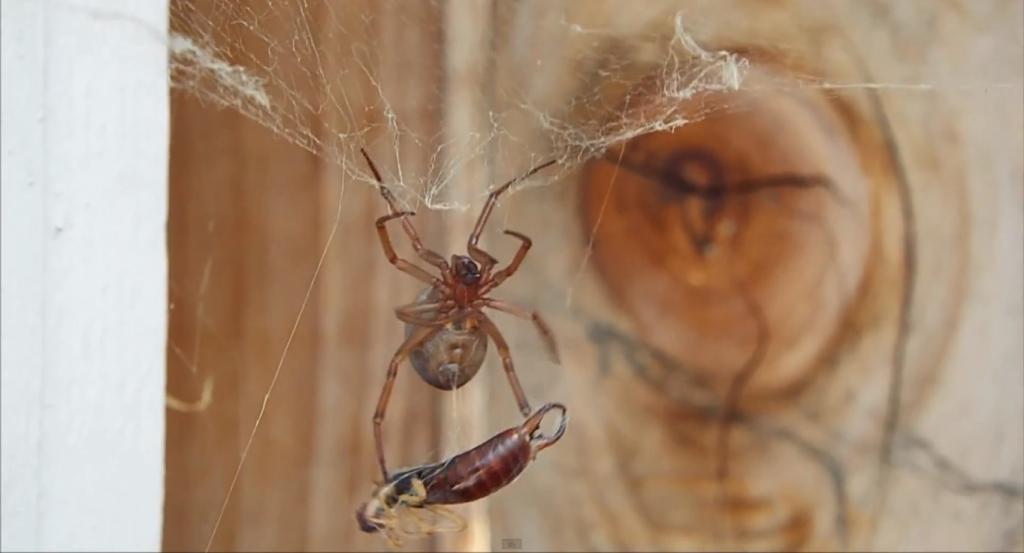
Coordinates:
(84, 274)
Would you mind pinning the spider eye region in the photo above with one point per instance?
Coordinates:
(466, 270)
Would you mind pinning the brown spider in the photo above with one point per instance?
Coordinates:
(446, 329)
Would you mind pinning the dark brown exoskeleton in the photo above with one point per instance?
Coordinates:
(468, 476)
(446, 329)
(453, 356)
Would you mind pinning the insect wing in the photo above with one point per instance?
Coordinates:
(423, 521)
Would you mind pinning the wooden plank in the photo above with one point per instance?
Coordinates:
(637, 468)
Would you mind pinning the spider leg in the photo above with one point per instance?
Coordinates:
(506, 360)
(486, 260)
(429, 256)
(483, 258)
(503, 274)
(418, 313)
(432, 322)
(398, 262)
(522, 312)
(418, 337)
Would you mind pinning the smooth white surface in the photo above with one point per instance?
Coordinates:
(84, 273)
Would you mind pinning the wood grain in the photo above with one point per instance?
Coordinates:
(637, 467)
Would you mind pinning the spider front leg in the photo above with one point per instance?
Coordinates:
(486, 260)
(429, 256)
(506, 360)
(517, 260)
(418, 336)
(538, 321)
(398, 262)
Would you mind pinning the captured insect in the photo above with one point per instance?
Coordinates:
(446, 329)
(468, 476)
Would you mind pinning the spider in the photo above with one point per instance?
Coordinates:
(446, 330)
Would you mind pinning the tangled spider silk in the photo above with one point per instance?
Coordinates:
(751, 363)
(228, 60)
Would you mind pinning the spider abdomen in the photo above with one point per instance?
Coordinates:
(449, 359)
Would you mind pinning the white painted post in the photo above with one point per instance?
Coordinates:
(84, 273)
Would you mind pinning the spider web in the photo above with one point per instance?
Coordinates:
(321, 76)
(229, 60)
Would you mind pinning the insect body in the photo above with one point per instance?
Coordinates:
(488, 467)
(447, 330)
(468, 476)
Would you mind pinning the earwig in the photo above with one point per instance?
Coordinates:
(488, 467)
(466, 477)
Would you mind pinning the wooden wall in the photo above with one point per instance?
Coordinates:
(653, 333)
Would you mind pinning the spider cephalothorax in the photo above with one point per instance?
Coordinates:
(446, 329)
(465, 270)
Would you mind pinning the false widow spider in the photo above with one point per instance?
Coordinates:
(446, 329)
